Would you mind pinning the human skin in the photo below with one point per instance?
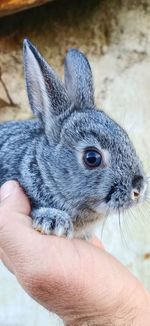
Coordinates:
(79, 281)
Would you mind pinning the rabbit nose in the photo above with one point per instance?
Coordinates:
(138, 187)
(135, 194)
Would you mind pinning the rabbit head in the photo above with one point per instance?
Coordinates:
(93, 161)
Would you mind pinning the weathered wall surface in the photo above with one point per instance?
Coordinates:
(115, 35)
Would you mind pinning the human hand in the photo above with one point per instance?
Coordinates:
(79, 281)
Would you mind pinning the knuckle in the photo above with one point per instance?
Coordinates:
(33, 281)
(40, 282)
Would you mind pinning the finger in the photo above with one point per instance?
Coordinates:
(13, 198)
(96, 242)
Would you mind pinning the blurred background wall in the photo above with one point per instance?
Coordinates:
(115, 35)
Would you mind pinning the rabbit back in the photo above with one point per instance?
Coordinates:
(17, 143)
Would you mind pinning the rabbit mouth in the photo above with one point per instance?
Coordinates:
(111, 192)
(110, 205)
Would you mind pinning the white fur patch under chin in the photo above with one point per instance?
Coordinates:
(102, 209)
(88, 231)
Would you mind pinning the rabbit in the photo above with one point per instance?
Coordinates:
(73, 161)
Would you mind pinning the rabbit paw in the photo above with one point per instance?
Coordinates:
(52, 221)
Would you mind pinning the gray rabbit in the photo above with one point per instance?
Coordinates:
(74, 162)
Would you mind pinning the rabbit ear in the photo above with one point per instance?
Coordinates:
(78, 79)
(47, 95)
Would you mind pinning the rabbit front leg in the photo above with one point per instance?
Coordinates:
(52, 221)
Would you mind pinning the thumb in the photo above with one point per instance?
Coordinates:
(14, 211)
(13, 199)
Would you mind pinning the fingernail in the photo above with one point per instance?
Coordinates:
(7, 189)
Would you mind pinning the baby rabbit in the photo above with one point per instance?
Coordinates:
(74, 162)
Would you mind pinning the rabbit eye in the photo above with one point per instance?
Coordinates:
(92, 158)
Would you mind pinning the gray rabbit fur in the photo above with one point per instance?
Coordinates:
(45, 155)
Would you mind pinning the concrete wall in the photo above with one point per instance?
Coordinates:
(115, 35)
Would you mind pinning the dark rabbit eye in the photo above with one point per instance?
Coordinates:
(92, 158)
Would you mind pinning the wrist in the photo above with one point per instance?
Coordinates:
(136, 309)
(134, 312)
(143, 311)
